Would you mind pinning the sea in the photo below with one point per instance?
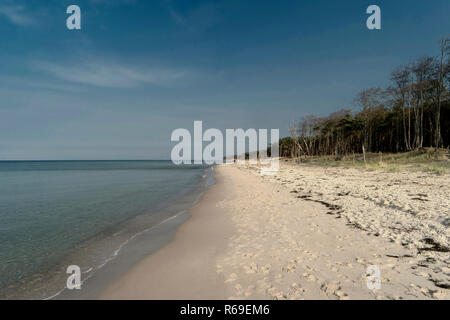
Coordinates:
(99, 216)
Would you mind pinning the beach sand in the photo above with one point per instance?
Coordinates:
(186, 267)
(305, 233)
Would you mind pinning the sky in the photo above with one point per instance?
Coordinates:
(139, 69)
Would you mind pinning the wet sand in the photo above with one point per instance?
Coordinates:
(186, 267)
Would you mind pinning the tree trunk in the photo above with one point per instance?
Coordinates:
(437, 134)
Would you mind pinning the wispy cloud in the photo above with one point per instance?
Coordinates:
(16, 14)
(199, 18)
(109, 75)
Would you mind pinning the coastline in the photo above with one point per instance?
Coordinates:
(185, 268)
(106, 254)
(253, 237)
(141, 242)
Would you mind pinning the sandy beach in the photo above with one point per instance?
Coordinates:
(186, 267)
(305, 233)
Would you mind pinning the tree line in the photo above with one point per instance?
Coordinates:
(413, 112)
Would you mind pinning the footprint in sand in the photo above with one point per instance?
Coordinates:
(296, 291)
(334, 269)
(275, 294)
(266, 269)
(290, 268)
(334, 288)
(309, 277)
(233, 277)
(253, 268)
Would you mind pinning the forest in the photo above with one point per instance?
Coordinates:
(412, 113)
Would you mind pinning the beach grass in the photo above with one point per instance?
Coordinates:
(423, 160)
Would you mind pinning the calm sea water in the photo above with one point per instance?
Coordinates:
(82, 211)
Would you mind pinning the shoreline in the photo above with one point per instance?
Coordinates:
(253, 237)
(185, 267)
(141, 243)
(106, 255)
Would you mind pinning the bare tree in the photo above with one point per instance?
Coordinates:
(401, 77)
(423, 72)
(297, 148)
(412, 113)
(368, 100)
(444, 45)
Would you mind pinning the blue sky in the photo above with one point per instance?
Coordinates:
(139, 69)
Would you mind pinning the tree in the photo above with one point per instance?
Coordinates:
(412, 113)
(368, 100)
(296, 149)
(422, 70)
(444, 46)
(401, 77)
